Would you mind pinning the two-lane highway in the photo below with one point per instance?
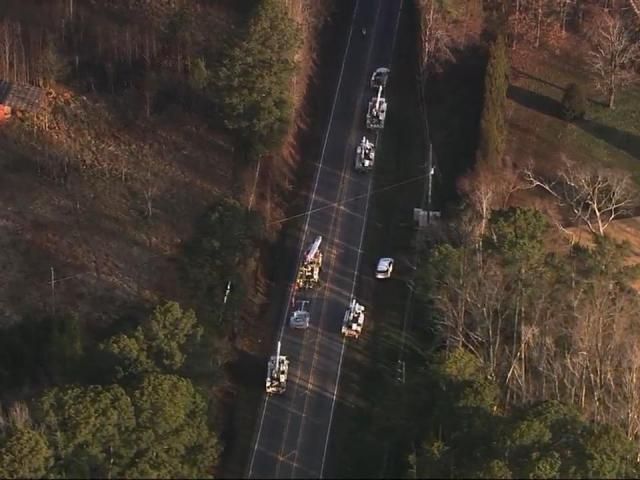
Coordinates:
(293, 431)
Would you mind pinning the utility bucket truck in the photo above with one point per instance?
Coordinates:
(309, 271)
(353, 320)
(379, 77)
(300, 317)
(365, 155)
(277, 372)
(377, 111)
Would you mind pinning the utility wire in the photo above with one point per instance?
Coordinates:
(286, 219)
(92, 271)
(336, 204)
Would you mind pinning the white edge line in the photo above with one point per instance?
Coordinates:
(306, 226)
(348, 177)
(366, 213)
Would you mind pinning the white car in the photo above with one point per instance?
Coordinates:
(384, 268)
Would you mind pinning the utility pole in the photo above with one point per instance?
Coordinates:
(234, 327)
(53, 292)
(255, 184)
(226, 293)
(430, 171)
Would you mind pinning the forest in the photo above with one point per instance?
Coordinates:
(99, 379)
(528, 294)
(132, 183)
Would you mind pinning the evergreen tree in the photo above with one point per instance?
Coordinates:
(24, 453)
(492, 122)
(226, 239)
(253, 83)
(517, 235)
(160, 344)
(89, 428)
(574, 102)
(172, 435)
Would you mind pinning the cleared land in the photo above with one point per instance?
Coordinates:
(109, 229)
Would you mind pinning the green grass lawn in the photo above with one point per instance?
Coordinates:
(537, 131)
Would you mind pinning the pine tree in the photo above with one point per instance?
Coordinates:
(492, 122)
(254, 81)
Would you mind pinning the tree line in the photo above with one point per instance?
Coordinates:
(531, 371)
(162, 53)
(466, 433)
(608, 29)
(144, 420)
(139, 402)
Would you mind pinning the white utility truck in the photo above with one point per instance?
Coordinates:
(353, 320)
(309, 271)
(365, 155)
(377, 111)
(277, 372)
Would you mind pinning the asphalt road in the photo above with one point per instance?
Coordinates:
(293, 430)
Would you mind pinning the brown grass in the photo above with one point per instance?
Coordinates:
(93, 228)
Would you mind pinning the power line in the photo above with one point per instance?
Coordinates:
(54, 280)
(336, 204)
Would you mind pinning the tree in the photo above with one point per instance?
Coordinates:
(172, 433)
(492, 123)
(24, 453)
(199, 75)
(436, 36)
(50, 65)
(595, 196)
(613, 54)
(89, 428)
(161, 430)
(487, 188)
(225, 241)
(126, 357)
(253, 83)
(160, 344)
(610, 454)
(168, 333)
(574, 102)
(66, 345)
(518, 235)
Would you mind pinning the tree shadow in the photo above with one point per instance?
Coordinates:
(535, 101)
(522, 73)
(620, 139)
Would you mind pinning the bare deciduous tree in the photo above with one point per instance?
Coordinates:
(614, 51)
(436, 40)
(595, 196)
(635, 5)
(487, 189)
(564, 7)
